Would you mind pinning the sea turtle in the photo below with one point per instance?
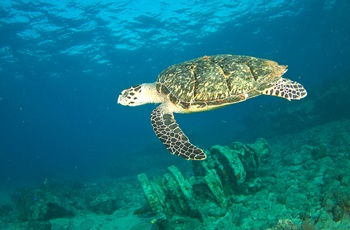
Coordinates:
(206, 83)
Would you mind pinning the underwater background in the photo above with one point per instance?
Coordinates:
(64, 63)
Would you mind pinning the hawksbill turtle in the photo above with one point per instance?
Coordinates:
(203, 84)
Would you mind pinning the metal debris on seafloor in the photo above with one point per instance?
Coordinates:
(216, 179)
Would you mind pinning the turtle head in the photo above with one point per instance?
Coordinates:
(139, 95)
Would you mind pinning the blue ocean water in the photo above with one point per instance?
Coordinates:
(64, 63)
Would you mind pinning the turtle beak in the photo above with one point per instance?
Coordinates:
(131, 96)
(119, 99)
(122, 99)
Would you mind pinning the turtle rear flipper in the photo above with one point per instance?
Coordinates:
(287, 89)
(170, 134)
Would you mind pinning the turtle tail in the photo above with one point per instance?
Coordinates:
(288, 89)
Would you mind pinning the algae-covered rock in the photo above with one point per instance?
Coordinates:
(295, 198)
(319, 151)
(261, 148)
(255, 185)
(285, 224)
(39, 225)
(5, 209)
(57, 209)
(34, 205)
(299, 157)
(338, 213)
(104, 203)
(87, 224)
(347, 200)
(324, 221)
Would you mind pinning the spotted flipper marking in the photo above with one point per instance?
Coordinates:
(170, 134)
(287, 89)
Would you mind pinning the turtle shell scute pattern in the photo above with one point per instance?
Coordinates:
(216, 80)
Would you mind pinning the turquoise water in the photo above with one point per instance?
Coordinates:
(63, 65)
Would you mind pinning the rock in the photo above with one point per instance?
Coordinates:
(324, 221)
(338, 213)
(255, 185)
(347, 200)
(295, 199)
(282, 198)
(5, 209)
(56, 209)
(345, 181)
(299, 157)
(39, 205)
(103, 204)
(261, 148)
(38, 225)
(86, 224)
(285, 225)
(319, 151)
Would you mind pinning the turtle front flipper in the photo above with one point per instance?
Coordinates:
(288, 89)
(169, 132)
